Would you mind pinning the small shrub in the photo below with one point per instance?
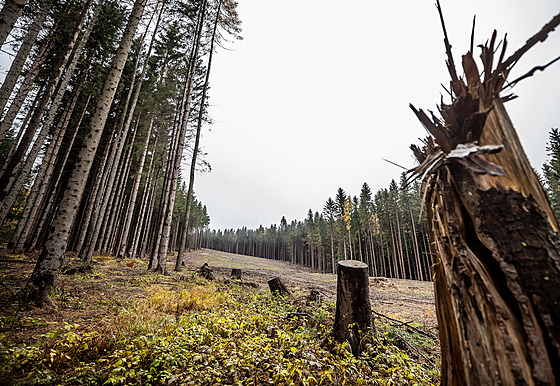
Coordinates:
(199, 334)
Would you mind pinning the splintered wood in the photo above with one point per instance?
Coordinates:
(493, 234)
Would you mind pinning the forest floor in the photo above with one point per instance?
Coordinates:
(93, 301)
(406, 300)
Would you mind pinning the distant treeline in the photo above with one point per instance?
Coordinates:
(384, 230)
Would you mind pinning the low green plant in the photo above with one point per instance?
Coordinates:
(203, 334)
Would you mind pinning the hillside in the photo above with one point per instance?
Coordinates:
(123, 325)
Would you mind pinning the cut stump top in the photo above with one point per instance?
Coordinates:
(352, 264)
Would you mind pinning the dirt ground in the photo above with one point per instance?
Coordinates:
(85, 298)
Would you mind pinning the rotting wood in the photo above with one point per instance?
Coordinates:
(493, 235)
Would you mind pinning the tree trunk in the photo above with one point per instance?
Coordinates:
(419, 274)
(141, 224)
(90, 212)
(11, 11)
(176, 164)
(104, 201)
(134, 194)
(493, 236)
(14, 177)
(35, 205)
(332, 254)
(149, 217)
(353, 317)
(236, 273)
(183, 241)
(23, 52)
(50, 260)
(32, 243)
(107, 234)
(27, 85)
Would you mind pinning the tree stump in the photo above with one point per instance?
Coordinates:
(277, 287)
(314, 297)
(353, 317)
(236, 273)
(205, 272)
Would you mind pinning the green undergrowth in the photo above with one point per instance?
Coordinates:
(205, 333)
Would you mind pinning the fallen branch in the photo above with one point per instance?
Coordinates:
(407, 324)
(16, 261)
(415, 350)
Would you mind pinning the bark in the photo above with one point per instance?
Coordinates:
(493, 236)
(149, 217)
(106, 234)
(17, 139)
(11, 11)
(142, 223)
(128, 219)
(50, 260)
(43, 181)
(134, 194)
(90, 213)
(32, 243)
(353, 317)
(23, 52)
(164, 197)
(105, 199)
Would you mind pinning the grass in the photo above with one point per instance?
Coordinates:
(209, 333)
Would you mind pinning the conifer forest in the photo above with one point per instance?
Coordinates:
(111, 272)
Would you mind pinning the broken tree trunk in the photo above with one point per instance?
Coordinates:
(277, 287)
(493, 235)
(353, 318)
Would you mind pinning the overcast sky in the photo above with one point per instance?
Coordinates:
(317, 94)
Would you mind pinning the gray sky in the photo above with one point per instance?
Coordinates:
(317, 94)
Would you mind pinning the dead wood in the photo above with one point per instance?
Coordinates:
(353, 318)
(16, 261)
(206, 272)
(403, 340)
(493, 234)
(277, 287)
(407, 324)
(315, 296)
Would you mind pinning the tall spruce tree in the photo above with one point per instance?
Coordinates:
(551, 170)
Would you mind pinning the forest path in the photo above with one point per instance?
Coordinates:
(406, 300)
